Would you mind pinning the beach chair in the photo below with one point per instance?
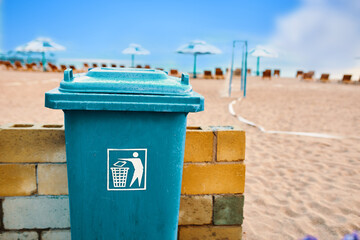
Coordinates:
(86, 66)
(346, 78)
(138, 66)
(63, 67)
(161, 69)
(174, 72)
(147, 66)
(219, 73)
(237, 72)
(324, 77)
(299, 73)
(103, 65)
(95, 65)
(34, 67)
(53, 68)
(249, 71)
(9, 66)
(29, 66)
(266, 74)
(113, 65)
(19, 66)
(73, 68)
(122, 66)
(277, 72)
(308, 76)
(37, 66)
(207, 74)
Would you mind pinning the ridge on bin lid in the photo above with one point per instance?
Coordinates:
(125, 80)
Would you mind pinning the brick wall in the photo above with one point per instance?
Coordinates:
(33, 183)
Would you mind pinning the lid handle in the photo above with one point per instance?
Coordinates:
(185, 79)
(68, 75)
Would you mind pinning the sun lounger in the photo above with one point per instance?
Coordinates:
(53, 68)
(122, 66)
(8, 65)
(103, 65)
(72, 67)
(147, 66)
(346, 78)
(161, 69)
(299, 73)
(277, 72)
(207, 74)
(249, 71)
(308, 76)
(174, 72)
(266, 74)
(36, 67)
(18, 65)
(324, 77)
(95, 65)
(30, 66)
(138, 66)
(113, 65)
(63, 67)
(86, 66)
(237, 72)
(219, 74)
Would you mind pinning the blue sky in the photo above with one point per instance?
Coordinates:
(102, 29)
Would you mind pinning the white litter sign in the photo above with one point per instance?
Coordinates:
(126, 169)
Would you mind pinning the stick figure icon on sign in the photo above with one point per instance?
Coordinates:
(138, 168)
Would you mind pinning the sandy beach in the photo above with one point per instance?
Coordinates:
(295, 185)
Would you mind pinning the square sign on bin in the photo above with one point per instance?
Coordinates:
(126, 169)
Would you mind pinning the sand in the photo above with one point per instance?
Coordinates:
(295, 185)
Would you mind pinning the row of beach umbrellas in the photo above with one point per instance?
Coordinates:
(195, 48)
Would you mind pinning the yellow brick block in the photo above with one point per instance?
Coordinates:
(52, 179)
(195, 210)
(32, 145)
(199, 146)
(230, 145)
(210, 233)
(213, 178)
(17, 179)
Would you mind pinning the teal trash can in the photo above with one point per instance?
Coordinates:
(125, 136)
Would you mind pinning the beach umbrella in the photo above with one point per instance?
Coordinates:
(197, 48)
(41, 45)
(135, 49)
(261, 52)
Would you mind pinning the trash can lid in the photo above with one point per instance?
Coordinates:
(124, 89)
(125, 80)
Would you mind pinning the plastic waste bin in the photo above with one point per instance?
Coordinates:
(125, 133)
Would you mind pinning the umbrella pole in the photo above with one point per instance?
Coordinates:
(132, 60)
(258, 66)
(44, 61)
(245, 73)
(242, 68)
(232, 67)
(194, 65)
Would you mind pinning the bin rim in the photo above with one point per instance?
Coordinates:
(125, 80)
(56, 99)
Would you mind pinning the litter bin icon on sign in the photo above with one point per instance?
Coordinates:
(126, 169)
(119, 174)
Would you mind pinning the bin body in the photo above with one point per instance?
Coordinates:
(146, 214)
(124, 161)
